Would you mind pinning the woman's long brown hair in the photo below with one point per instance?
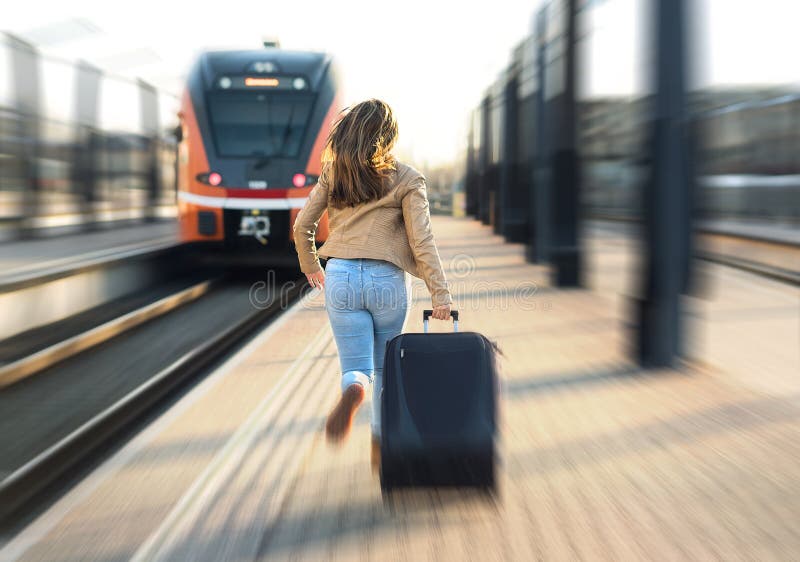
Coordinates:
(359, 145)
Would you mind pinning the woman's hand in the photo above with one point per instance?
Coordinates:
(316, 279)
(441, 312)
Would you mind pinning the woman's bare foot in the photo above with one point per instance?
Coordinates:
(340, 420)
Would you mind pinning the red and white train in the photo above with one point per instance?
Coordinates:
(253, 126)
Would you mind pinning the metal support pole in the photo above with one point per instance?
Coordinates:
(667, 199)
(86, 147)
(148, 100)
(512, 225)
(539, 200)
(483, 163)
(565, 255)
(469, 177)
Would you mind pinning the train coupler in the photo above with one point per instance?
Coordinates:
(257, 226)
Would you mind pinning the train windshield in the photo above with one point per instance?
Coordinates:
(261, 124)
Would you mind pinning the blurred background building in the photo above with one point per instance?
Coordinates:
(79, 146)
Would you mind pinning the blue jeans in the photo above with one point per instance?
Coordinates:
(367, 302)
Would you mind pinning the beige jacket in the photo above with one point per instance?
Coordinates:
(395, 228)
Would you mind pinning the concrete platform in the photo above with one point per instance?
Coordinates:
(48, 280)
(599, 460)
(31, 259)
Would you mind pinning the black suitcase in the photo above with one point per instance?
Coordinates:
(438, 410)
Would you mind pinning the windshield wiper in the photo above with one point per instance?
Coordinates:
(262, 161)
(288, 130)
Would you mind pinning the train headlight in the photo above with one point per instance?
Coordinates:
(214, 179)
(210, 178)
(299, 83)
(263, 67)
(299, 180)
(225, 82)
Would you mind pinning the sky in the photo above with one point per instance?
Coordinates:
(431, 60)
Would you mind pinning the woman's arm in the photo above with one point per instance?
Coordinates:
(417, 218)
(305, 226)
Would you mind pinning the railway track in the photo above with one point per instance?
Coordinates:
(82, 393)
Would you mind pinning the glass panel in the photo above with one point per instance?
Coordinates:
(58, 90)
(6, 86)
(259, 124)
(746, 108)
(614, 66)
(119, 106)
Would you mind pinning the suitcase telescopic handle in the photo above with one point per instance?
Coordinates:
(426, 314)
